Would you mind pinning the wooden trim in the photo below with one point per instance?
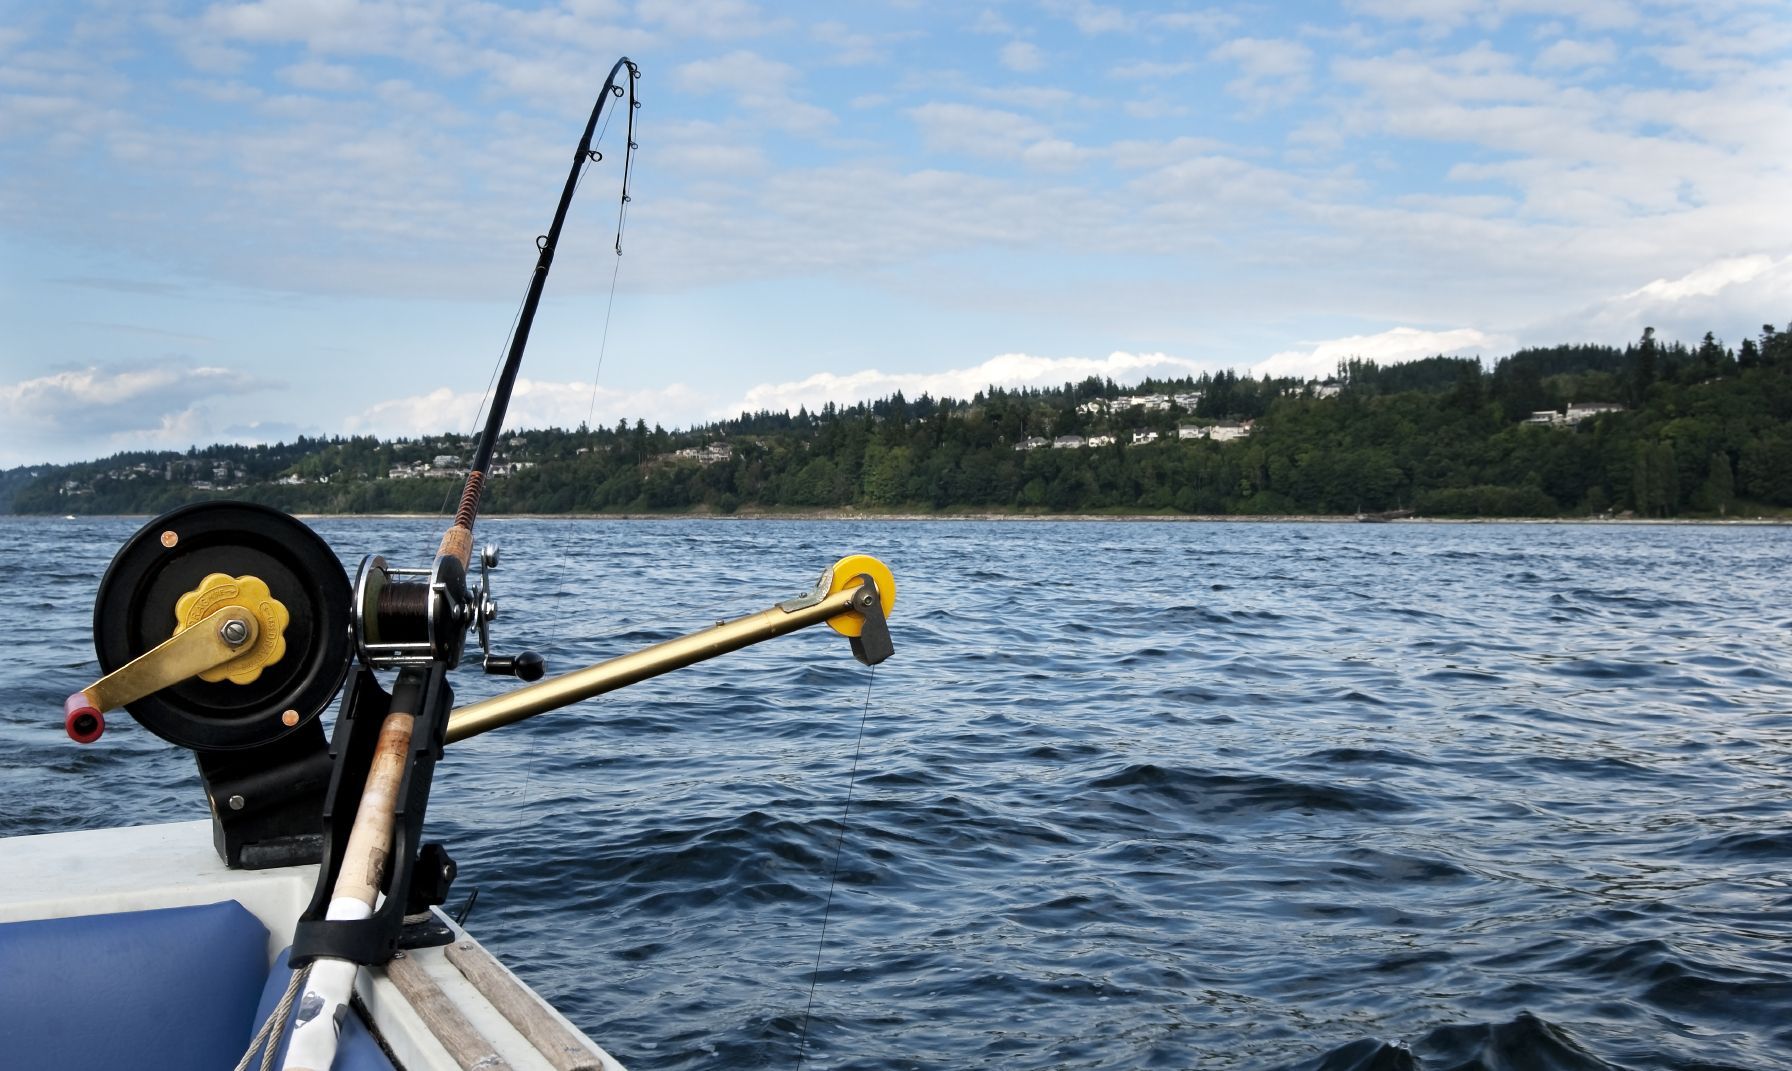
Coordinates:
(563, 1047)
(467, 1045)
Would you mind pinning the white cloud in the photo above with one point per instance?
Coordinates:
(1006, 370)
(967, 128)
(102, 409)
(1707, 280)
(850, 49)
(534, 403)
(1272, 71)
(1150, 70)
(1723, 295)
(1570, 55)
(1021, 56)
(1490, 14)
(1320, 359)
(715, 19)
(1207, 23)
(759, 85)
(318, 75)
(1092, 18)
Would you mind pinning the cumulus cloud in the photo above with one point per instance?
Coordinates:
(100, 409)
(1728, 294)
(318, 75)
(1319, 359)
(991, 132)
(1271, 71)
(1570, 55)
(534, 403)
(1005, 370)
(1021, 56)
(1707, 280)
(761, 86)
(1150, 70)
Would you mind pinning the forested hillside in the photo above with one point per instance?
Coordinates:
(1657, 429)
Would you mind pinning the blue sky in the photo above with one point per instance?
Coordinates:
(247, 221)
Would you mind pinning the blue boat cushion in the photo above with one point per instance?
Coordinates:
(172, 988)
(356, 1049)
(175, 989)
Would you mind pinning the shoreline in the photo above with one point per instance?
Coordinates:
(1018, 518)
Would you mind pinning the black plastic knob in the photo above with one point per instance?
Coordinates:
(524, 665)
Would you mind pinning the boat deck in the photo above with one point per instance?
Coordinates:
(137, 868)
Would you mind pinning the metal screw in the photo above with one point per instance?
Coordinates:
(237, 803)
(489, 610)
(489, 555)
(169, 538)
(233, 632)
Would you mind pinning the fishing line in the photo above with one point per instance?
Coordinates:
(487, 396)
(802, 1044)
(628, 162)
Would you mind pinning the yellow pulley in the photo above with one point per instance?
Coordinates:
(845, 574)
(250, 593)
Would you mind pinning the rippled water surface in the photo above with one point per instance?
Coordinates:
(1132, 795)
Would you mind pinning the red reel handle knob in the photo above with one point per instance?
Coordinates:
(82, 719)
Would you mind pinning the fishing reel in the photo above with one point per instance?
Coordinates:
(224, 628)
(417, 617)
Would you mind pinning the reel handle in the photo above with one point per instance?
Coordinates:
(524, 665)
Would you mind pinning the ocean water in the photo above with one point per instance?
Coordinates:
(1130, 795)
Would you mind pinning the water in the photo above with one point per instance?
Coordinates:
(1131, 795)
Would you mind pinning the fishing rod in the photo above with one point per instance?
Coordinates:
(423, 625)
(266, 631)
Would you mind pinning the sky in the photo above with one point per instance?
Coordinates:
(250, 221)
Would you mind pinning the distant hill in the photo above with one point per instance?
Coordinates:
(1654, 429)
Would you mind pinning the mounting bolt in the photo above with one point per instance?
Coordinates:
(237, 803)
(233, 632)
(488, 556)
(489, 610)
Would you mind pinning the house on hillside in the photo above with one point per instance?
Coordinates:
(1100, 440)
(1032, 443)
(710, 454)
(1068, 442)
(1223, 432)
(1141, 436)
(1580, 411)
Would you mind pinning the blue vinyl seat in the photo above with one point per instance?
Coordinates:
(174, 988)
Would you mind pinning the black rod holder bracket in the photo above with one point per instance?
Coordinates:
(425, 692)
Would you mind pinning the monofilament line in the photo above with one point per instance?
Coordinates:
(802, 1044)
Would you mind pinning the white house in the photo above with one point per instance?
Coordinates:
(1068, 442)
(1141, 436)
(1224, 431)
(1100, 440)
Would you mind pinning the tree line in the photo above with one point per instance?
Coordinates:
(1705, 430)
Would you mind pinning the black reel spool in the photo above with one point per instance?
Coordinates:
(260, 745)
